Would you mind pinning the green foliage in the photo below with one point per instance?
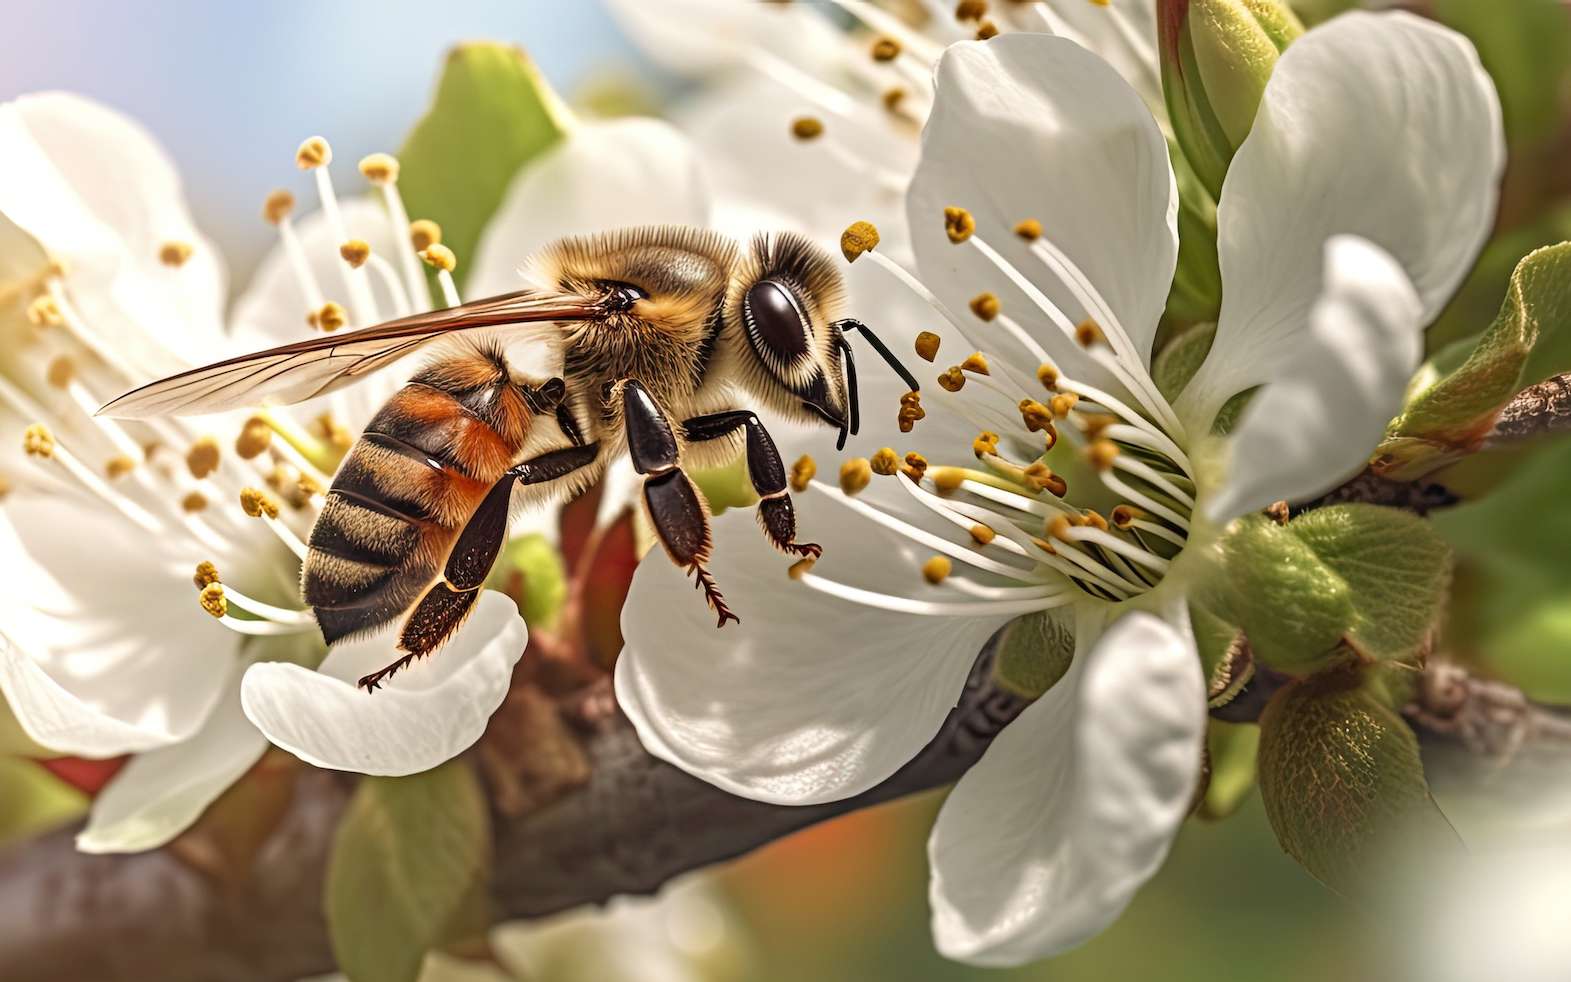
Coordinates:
(1343, 783)
(1035, 651)
(1196, 294)
(1232, 749)
(492, 113)
(33, 800)
(408, 871)
(1525, 46)
(530, 570)
(726, 486)
(1181, 358)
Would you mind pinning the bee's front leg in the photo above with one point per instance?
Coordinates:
(765, 470)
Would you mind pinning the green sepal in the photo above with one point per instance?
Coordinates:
(1196, 293)
(1034, 652)
(1231, 749)
(1224, 653)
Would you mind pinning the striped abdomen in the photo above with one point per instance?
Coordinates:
(406, 490)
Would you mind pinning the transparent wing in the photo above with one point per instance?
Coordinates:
(305, 369)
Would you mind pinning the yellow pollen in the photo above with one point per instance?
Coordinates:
(213, 600)
(193, 502)
(970, 10)
(927, 345)
(1088, 333)
(1124, 515)
(330, 317)
(1095, 520)
(1030, 229)
(1101, 3)
(5, 487)
(174, 254)
(206, 575)
(976, 364)
(1101, 453)
(986, 31)
(1058, 528)
(1095, 425)
(424, 233)
(893, 98)
(44, 312)
(985, 306)
(277, 206)
(256, 503)
(330, 429)
(1062, 403)
(38, 441)
(202, 458)
(255, 437)
(986, 442)
(119, 466)
(958, 224)
(61, 371)
(910, 411)
(1038, 475)
(982, 535)
(1045, 546)
(886, 49)
(952, 380)
(440, 257)
(937, 569)
(379, 168)
(885, 462)
(1036, 416)
(355, 252)
(313, 153)
(859, 237)
(309, 485)
(807, 127)
(800, 567)
(802, 472)
(855, 474)
(915, 466)
(947, 479)
(1047, 375)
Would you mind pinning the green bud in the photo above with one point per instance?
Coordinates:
(1217, 56)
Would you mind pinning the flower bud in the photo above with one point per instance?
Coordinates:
(1217, 56)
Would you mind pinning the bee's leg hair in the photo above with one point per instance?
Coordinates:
(765, 470)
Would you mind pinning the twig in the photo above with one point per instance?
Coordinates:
(1538, 410)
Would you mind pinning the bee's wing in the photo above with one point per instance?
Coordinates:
(299, 371)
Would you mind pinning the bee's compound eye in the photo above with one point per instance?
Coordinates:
(775, 322)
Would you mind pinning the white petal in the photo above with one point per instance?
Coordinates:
(158, 795)
(1378, 125)
(1315, 426)
(1123, 32)
(1034, 126)
(696, 37)
(1043, 842)
(426, 714)
(107, 656)
(811, 698)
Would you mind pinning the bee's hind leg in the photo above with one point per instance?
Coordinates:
(765, 470)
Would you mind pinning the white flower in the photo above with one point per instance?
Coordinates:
(104, 649)
(1348, 217)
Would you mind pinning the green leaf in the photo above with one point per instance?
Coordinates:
(492, 113)
(1396, 568)
(1035, 651)
(1460, 392)
(1526, 47)
(1343, 784)
(408, 871)
(1231, 748)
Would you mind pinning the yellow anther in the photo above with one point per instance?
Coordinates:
(440, 257)
(1030, 229)
(1047, 375)
(1036, 416)
(330, 429)
(1101, 3)
(855, 474)
(44, 312)
(859, 237)
(885, 462)
(193, 502)
(937, 569)
(1058, 527)
(329, 317)
(213, 600)
(886, 49)
(893, 98)
(807, 127)
(1101, 454)
(970, 10)
(952, 379)
(424, 233)
(5, 487)
(801, 567)
(313, 153)
(355, 252)
(927, 345)
(379, 168)
(174, 254)
(255, 437)
(38, 441)
(206, 575)
(802, 472)
(947, 479)
(986, 31)
(986, 442)
(1088, 333)
(915, 466)
(119, 466)
(1045, 546)
(985, 306)
(1094, 519)
(257, 503)
(1124, 515)
(1095, 424)
(309, 485)
(975, 363)
(277, 206)
(1062, 404)
(202, 458)
(958, 224)
(1038, 475)
(61, 371)
(910, 411)
(982, 535)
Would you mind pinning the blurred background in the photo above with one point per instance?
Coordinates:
(231, 89)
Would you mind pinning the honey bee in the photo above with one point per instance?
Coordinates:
(660, 333)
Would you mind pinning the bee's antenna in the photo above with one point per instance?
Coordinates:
(882, 349)
(850, 371)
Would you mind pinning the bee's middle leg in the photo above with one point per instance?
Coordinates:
(676, 508)
(765, 470)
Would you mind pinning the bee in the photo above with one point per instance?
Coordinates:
(664, 336)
